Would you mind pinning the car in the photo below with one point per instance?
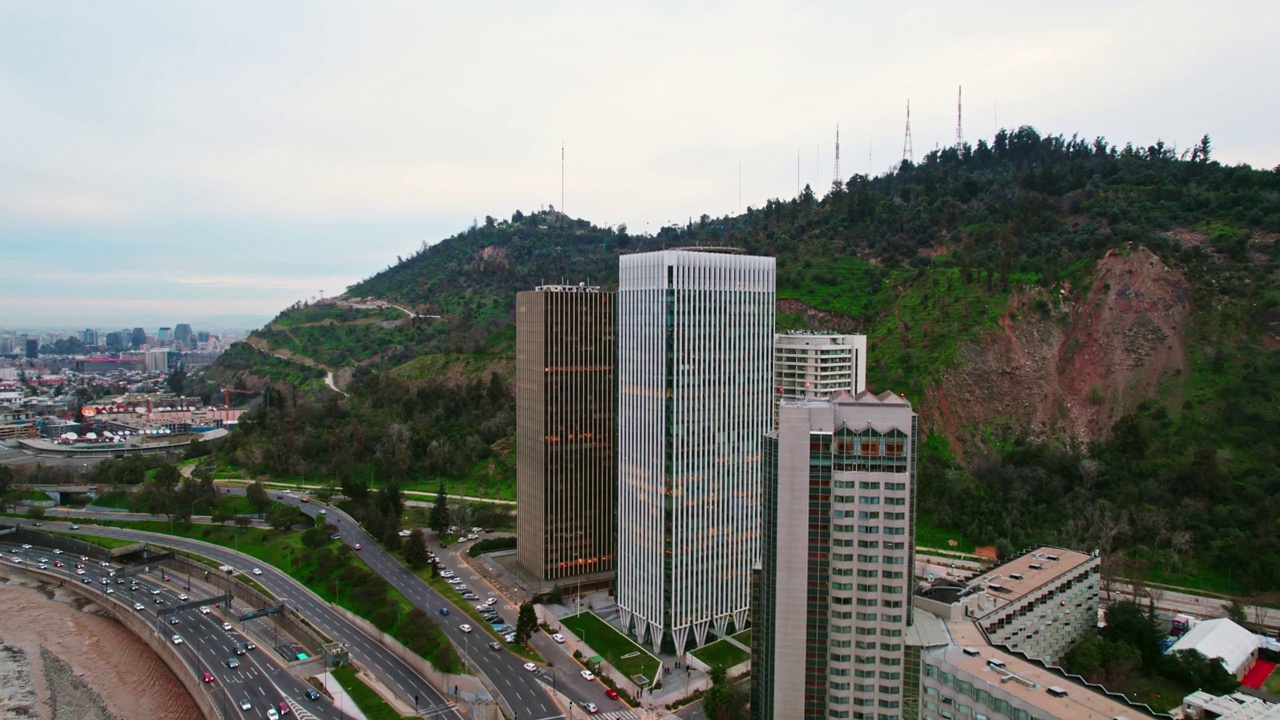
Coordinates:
(530, 667)
(119, 581)
(404, 533)
(239, 649)
(208, 676)
(183, 597)
(591, 707)
(155, 591)
(509, 637)
(558, 638)
(335, 536)
(465, 628)
(58, 563)
(75, 526)
(205, 610)
(38, 524)
(284, 708)
(305, 499)
(233, 663)
(495, 646)
(80, 571)
(356, 546)
(16, 559)
(104, 564)
(323, 511)
(165, 578)
(111, 591)
(104, 581)
(470, 596)
(83, 580)
(279, 497)
(444, 611)
(57, 552)
(257, 571)
(159, 600)
(272, 714)
(311, 694)
(44, 560)
(244, 705)
(454, 580)
(177, 639)
(611, 693)
(250, 646)
(482, 609)
(138, 607)
(488, 530)
(587, 675)
(173, 619)
(491, 601)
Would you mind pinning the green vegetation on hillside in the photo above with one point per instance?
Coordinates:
(925, 260)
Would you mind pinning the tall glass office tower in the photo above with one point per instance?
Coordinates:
(695, 355)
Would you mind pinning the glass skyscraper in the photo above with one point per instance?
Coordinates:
(695, 356)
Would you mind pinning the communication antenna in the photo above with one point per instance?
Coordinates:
(839, 180)
(562, 178)
(739, 187)
(959, 117)
(797, 172)
(907, 152)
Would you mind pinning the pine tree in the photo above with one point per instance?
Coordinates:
(526, 623)
(440, 511)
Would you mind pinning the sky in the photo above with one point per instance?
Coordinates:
(212, 163)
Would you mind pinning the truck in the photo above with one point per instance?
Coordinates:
(227, 569)
(1182, 624)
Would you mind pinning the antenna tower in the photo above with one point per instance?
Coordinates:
(907, 152)
(959, 116)
(838, 180)
(562, 178)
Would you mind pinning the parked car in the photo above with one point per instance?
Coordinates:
(611, 693)
(587, 675)
(530, 667)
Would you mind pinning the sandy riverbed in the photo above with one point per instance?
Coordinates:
(64, 658)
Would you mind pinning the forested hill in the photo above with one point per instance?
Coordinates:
(1088, 331)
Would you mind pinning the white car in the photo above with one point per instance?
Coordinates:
(558, 638)
(530, 667)
(205, 610)
(137, 606)
(25, 546)
(465, 628)
(244, 705)
(177, 639)
(156, 591)
(57, 552)
(257, 571)
(587, 675)
(16, 559)
(226, 626)
(405, 533)
(272, 714)
(491, 601)
(182, 597)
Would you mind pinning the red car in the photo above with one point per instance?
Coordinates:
(611, 694)
(208, 677)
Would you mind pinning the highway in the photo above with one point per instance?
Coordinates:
(524, 692)
(393, 672)
(259, 679)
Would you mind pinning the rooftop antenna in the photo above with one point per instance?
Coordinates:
(562, 177)
(907, 152)
(959, 116)
(838, 179)
(739, 187)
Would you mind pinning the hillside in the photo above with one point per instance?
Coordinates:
(1089, 333)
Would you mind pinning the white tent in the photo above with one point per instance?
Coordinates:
(1221, 638)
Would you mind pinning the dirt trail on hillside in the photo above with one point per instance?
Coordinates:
(63, 658)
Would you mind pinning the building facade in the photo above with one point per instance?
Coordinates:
(695, 356)
(33, 348)
(814, 366)
(833, 593)
(566, 467)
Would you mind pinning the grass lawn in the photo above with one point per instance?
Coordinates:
(617, 649)
(369, 702)
(744, 637)
(108, 543)
(930, 535)
(1160, 693)
(1272, 684)
(721, 653)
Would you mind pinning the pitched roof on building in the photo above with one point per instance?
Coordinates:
(1220, 638)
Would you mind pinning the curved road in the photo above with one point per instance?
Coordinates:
(394, 673)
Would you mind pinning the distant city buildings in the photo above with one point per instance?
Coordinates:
(833, 589)
(183, 335)
(813, 366)
(164, 335)
(695, 351)
(566, 467)
(33, 348)
(89, 337)
(138, 338)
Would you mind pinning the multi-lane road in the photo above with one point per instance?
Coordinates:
(525, 693)
(242, 680)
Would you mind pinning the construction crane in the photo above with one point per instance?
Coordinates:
(226, 395)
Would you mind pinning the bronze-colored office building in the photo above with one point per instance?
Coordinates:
(566, 400)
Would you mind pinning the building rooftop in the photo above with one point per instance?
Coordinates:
(1220, 638)
(1011, 581)
(1029, 681)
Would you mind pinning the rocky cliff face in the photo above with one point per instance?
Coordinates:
(1069, 366)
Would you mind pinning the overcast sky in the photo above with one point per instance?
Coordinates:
(167, 162)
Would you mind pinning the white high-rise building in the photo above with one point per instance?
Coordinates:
(833, 595)
(815, 366)
(695, 357)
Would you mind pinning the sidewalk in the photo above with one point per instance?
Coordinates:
(341, 699)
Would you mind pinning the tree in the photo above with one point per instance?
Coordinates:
(6, 479)
(415, 549)
(526, 622)
(440, 511)
(35, 512)
(177, 380)
(243, 521)
(258, 496)
(284, 517)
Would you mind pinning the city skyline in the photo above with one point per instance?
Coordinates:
(183, 157)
